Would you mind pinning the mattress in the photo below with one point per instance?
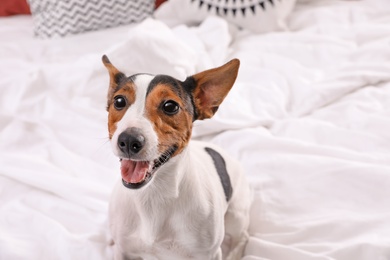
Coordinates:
(308, 117)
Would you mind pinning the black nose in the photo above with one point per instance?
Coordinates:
(131, 141)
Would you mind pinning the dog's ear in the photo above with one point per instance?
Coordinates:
(211, 88)
(115, 76)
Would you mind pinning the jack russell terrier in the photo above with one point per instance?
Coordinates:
(178, 199)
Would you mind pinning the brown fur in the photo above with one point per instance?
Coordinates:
(115, 77)
(171, 129)
(127, 91)
(212, 86)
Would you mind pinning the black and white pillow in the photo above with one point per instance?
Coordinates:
(256, 15)
(58, 18)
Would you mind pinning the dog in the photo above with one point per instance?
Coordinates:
(178, 199)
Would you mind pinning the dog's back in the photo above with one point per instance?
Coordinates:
(238, 195)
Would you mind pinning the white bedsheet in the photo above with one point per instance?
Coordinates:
(309, 117)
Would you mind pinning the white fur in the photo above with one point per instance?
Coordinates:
(182, 213)
(134, 117)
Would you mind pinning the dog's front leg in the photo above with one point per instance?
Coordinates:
(118, 255)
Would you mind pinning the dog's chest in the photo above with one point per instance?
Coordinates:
(170, 234)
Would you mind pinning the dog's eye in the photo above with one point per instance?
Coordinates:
(119, 102)
(170, 107)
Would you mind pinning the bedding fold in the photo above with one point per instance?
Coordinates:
(308, 117)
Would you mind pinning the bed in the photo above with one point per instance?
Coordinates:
(308, 117)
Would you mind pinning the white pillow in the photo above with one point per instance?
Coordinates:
(259, 16)
(53, 18)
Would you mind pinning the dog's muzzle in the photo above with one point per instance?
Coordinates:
(136, 171)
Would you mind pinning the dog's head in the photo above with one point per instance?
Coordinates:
(150, 117)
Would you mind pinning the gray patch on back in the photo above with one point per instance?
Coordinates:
(220, 165)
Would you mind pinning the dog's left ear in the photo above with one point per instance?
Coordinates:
(211, 88)
(115, 76)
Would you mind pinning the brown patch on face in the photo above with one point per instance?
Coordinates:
(114, 115)
(115, 78)
(171, 130)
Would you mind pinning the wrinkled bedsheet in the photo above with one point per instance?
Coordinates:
(309, 118)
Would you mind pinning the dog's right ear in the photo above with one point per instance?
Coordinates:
(115, 76)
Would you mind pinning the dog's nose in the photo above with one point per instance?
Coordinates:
(131, 141)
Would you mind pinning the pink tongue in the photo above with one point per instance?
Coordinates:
(134, 172)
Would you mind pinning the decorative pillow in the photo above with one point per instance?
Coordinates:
(256, 15)
(53, 18)
(158, 3)
(13, 7)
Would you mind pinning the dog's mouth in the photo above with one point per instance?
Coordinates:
(136, 174)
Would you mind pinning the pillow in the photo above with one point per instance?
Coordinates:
(158, 3)
(259, 16)
(54, 18)
(13, 7)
